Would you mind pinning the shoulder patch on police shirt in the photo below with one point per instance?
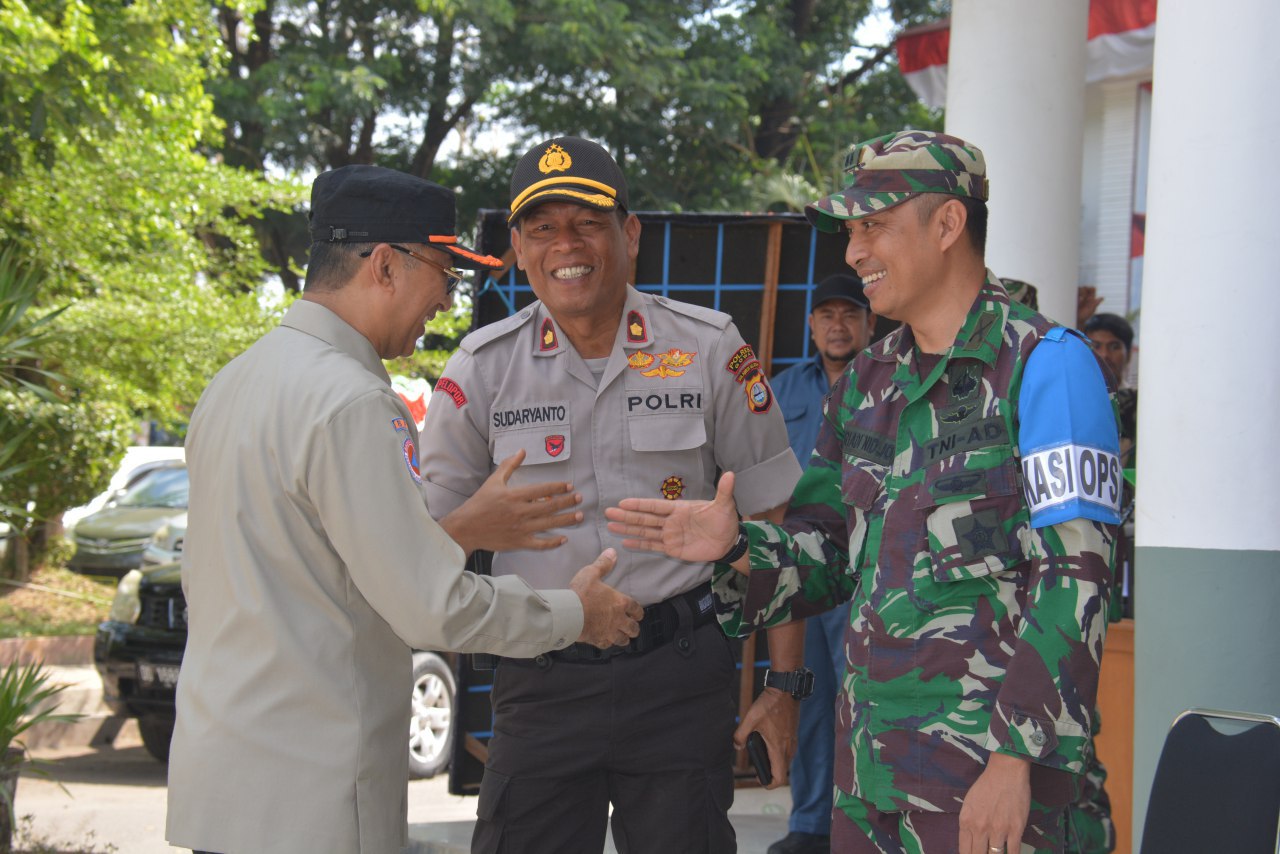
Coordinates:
(1068, 435)
(447, 386)
(498, 329)
(718, 319)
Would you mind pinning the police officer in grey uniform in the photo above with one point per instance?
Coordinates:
(312, 564)
(617, 392)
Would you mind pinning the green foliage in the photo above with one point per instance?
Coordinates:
(108, 188)
(708, 104)
(26, 700)
(160, 354)
(75, 447)
(444, 332)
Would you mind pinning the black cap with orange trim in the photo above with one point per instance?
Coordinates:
(371, 204)
(567, 169)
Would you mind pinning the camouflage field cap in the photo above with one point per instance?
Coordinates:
(888, 170)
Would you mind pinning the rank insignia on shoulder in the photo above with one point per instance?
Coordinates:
(449, 387)
(411, 460)
(636, 331)
(673, 487)
(743, 355)
(554, 445)
(400, 425)
(548, 340)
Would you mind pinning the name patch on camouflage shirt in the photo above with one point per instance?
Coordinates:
(868, 445)
(966, 437)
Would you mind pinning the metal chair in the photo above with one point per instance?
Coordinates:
(1213, 791)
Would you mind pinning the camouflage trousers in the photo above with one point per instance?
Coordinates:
(1089, 826)
(857, 827)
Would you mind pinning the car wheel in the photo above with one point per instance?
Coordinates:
(430, 716)
(157, 732)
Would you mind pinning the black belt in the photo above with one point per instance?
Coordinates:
(659, 626)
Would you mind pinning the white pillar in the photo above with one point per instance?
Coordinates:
(1208, 540)
(1015, 89)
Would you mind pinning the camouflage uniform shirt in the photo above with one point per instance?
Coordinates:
(979, 591)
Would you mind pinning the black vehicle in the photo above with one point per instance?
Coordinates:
(138, 652)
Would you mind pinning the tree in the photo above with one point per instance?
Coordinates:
(104, 189)
(709, 104)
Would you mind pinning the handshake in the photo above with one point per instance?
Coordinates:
(500, 517)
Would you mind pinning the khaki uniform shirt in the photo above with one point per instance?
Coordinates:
(681, 398)
(311, 567)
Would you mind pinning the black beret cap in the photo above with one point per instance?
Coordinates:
(371, 204)
(567, 169)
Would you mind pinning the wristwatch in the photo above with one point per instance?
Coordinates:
(797, 683)
(739, 547)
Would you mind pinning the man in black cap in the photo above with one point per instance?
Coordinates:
(841, 324)
(618, 392)
(312, 565)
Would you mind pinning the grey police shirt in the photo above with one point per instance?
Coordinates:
(681, 399)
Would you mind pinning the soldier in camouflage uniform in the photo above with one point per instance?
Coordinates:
(964, 494)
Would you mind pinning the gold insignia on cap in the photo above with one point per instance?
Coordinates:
(554, 159)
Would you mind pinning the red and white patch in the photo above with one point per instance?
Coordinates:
(454, 391)
(411, 460)
(554, 445)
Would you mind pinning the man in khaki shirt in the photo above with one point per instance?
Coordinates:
(312, 565)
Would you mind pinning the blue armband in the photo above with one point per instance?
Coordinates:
(1068, 435)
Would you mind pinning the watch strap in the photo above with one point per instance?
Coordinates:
(739, 547)
(797, 683)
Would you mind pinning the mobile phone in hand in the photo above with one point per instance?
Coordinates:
(759, 755)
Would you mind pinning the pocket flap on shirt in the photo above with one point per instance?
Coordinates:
(667, 432)
(860, 484)
(549, 445)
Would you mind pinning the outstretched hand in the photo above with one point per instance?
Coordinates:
(500, 517)
(697, 531)
(609, 618)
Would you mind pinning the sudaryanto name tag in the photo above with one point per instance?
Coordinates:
(1066, 472)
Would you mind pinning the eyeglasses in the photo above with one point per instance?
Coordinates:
(453, 274)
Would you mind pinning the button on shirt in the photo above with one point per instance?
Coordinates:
(681, 398)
